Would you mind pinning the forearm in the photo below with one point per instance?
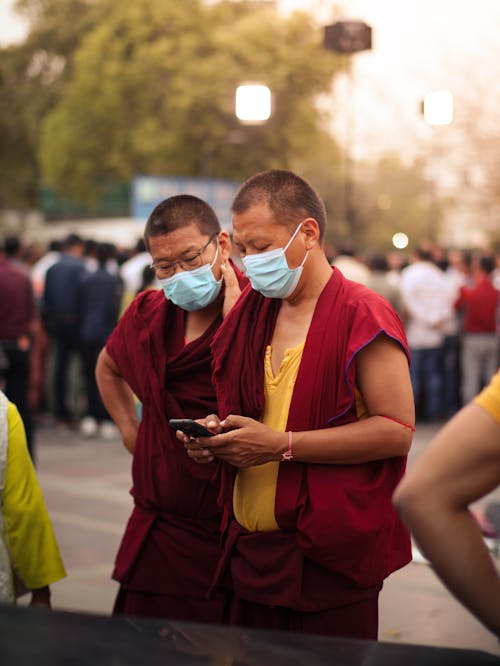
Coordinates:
(459, 466)
(373, 438)
(118, 399)
(451, 539)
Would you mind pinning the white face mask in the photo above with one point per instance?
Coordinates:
(269, 272)
(193, 290)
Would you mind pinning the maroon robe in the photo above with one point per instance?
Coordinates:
(172, 541)
(340, 535)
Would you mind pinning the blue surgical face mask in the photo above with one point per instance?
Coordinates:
(193, 290)
(269, 272)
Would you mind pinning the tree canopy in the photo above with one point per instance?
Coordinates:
(153, 92)
(102, 90)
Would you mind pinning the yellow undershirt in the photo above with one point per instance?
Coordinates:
(255, 487)
(489, 398)
(28, 533)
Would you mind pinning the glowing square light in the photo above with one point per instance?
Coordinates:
(253, 103)
(438, 107)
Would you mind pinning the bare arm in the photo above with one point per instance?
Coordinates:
(384, 382)
(117, 398)
(461, 465)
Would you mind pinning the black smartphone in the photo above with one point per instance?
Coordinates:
(190, 427)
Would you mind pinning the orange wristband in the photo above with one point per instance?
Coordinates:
(287, 455)
(391, 418)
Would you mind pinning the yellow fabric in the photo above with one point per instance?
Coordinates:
(28, 531)
(255, 487)
(489, 398)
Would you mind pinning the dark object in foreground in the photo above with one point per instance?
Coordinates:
(30, 635)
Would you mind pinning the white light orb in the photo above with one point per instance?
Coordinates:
(253, 103)
(400, 240)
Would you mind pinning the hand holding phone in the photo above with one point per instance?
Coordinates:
(190, 427)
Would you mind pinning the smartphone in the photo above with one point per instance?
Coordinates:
(190, 427)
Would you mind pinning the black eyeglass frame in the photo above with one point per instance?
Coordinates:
(169, 269)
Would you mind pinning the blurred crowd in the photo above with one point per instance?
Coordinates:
(448, 301)
(58, 304)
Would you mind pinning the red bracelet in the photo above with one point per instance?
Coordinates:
(391, 418)
(287, 455)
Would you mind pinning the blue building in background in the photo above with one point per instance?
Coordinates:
(148, 191)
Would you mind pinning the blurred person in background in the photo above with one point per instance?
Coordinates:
(428, 305)
(380, 282)
(148, 279)
(100, 297)
(18, 314)
(449, 367)
(495, 276)
(40, 267)
(29, 556)
(16, 251)
(39, 354)
(131, 272)
(61, 313)
(90, 255)
(479, 305)
(459, 466)
(457, 274)
(350, 266)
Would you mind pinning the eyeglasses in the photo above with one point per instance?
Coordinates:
(165, 270)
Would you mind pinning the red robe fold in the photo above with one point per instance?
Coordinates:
(340, 516)
(172, 541)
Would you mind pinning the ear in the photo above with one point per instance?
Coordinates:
(310, 228)
(225, 245)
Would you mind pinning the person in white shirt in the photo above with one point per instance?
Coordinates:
(428, 305)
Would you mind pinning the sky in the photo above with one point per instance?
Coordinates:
(418, 46)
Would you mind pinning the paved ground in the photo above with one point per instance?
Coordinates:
(86, 483)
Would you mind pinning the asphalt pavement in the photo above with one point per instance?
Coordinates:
(86, 485)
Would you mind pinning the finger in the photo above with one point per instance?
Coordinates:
(229, 277)
(233, 421)
(192, 445)
(232, 288)
(200, 455)
(182, 437)
(212, 422)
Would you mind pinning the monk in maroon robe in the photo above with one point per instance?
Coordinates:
(342, 445)
(160, 352)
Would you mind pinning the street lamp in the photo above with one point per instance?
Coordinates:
(253, 103)
(437, 107)
(400, 240)
(348, 37)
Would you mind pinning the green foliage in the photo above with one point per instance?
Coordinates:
(32, 78)
(153, 92)
(102, 90)
(390, 197)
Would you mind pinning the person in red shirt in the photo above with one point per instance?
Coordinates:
(160, 353)
(316, 418)
(478, 305)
